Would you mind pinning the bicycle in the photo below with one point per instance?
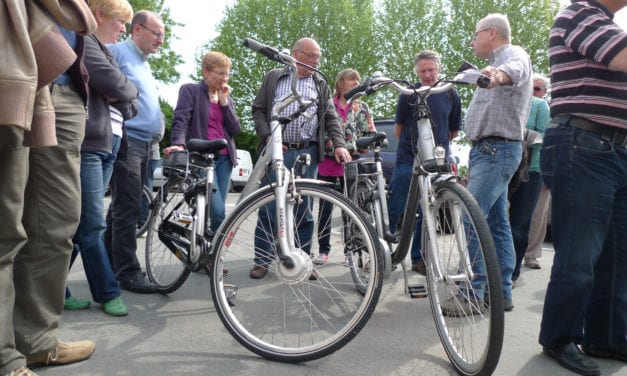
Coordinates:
(298, 312)
(462, 272)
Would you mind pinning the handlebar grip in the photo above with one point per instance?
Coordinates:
(349, 94)
(269, 52)
(483, 81)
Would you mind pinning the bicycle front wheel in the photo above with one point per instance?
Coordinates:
(306, 311)
(168, 237)
(465, 294)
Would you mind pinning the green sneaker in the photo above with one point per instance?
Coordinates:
(72, 304)
(115, 307)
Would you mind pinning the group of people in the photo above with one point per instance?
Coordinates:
(61, 153)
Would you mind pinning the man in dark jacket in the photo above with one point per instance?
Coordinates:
(304, 134)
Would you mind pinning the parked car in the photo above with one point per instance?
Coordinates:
(239, 175)
(241, 172)
(389, 153)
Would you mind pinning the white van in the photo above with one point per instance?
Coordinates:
(241, 172)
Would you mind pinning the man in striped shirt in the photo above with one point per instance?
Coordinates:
(584, 163)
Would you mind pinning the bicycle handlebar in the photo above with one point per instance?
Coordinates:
(370, 85)
(269, 52)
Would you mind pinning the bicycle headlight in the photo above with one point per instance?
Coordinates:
(439, 152)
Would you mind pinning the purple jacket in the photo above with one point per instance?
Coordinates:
(191, 117)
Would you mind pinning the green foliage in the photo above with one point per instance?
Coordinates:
(370, 36)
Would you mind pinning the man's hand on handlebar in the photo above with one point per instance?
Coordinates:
(497, 77)
(342, 155)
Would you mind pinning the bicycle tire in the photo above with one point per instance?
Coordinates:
(142, 226)
(285, 316)
(470, 328)
(167, 240)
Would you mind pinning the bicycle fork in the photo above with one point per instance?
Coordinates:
(465, 272)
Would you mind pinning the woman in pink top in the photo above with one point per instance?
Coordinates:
(356, 120)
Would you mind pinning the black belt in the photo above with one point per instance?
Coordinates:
(492, 139)
(616, 136)
(299, 145)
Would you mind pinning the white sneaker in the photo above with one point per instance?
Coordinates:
(322, 259)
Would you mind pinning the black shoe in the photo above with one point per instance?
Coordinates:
(138, 284)
(569, 356)
(600, 352)
(508, 305)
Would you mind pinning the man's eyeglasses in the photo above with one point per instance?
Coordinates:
(311, 56)
(156, 34)
(537, 88)
(474, 35)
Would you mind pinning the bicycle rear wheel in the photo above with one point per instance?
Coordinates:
(285, 315)
(142, 224)
(167, 240)
(467, 301)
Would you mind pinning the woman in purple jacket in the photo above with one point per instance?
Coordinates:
(205, 110)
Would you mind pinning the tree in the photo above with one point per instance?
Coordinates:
(343, 28)
(370, 35)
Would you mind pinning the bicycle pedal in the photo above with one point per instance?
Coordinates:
(417, 291)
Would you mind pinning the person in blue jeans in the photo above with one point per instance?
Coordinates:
(205, 110)
(584, 164)
(495, 121)
(446, 113)
(103, 137)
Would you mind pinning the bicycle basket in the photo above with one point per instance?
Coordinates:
(176, 163)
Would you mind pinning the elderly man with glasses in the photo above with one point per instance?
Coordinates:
(129, 173)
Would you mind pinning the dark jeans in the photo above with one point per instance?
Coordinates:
(324, 215)
(127, 181)
(266, 224)
(152, 166)
(521, 206)
(586, 299)
(399, 185)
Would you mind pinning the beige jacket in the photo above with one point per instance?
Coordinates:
(33, 54)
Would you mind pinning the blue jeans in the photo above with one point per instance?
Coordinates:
(96, 170)
(491, 166)
(521, 205)
(129, 175)
(266, 224)
(586, 299)
(222, 179)
(399, 185)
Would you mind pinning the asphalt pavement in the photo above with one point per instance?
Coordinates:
(181, 334)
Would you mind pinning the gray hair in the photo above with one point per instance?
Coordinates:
(427, 55)
(499, 22)
(543, 78)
